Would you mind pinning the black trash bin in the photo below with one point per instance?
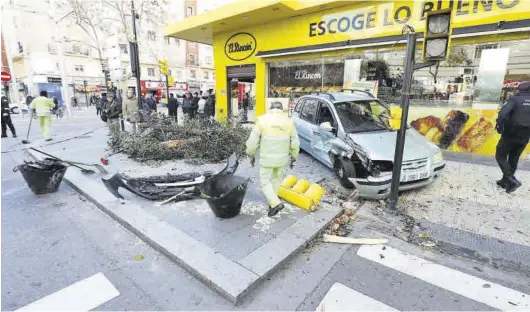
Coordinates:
(224, 194)
(42, 177)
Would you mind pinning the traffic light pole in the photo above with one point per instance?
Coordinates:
(400, 142)
(410, 67)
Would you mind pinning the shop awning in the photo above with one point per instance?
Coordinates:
(243, 13)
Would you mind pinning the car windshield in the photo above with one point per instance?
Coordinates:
(363, 115)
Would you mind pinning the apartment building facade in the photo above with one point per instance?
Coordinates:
(30, 41)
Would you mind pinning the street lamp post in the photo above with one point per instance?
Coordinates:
(136, 58)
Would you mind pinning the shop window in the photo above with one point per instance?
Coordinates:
(151, 72)
(309, 110)
(206, 75)
(482, 47)
(193, 74)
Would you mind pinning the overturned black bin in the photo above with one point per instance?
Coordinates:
(225, 194)
(42, 177)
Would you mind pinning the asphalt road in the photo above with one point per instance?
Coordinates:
(52, 242)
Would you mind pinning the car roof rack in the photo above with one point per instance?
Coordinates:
(331, 97)
(359, 90)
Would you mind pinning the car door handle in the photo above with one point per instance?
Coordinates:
(316, 132)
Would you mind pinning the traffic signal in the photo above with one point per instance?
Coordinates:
(436, 41)
(171, 81)
(163, 67)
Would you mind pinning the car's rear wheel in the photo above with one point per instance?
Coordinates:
(344, 169)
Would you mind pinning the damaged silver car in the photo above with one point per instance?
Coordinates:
(350, 133)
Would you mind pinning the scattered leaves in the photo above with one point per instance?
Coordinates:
(139, 257)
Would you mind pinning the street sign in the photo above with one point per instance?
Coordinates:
(6, 77)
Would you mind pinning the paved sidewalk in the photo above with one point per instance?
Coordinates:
(232, 256)
(467, 198)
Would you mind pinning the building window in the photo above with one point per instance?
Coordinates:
(208, 60)
(206, 75)
(123, 49)
(179, 74)
(168, 40)
(151, 35)
(20, 47)
(193, 74)
(190, 11)
(123, 71)
(192, 59)
(177, 42)
(79, 68)
(169, 72)
(76, 49)
(151, 72)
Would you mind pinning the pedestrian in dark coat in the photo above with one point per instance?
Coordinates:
(195, 107)
(6, 119)
(513, 124)
(187, 105)
(172, 106)
(209, 107)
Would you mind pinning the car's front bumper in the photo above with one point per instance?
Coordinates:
(379, 188)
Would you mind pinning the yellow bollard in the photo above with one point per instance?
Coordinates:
(289, 181)
(315, 192)
(301, 186)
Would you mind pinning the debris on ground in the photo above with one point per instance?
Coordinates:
(198, 140)
(340, 225)
(355, 241)
(139, 257)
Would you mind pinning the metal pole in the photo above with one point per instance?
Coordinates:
(400, 142)
(60, 55)
(137, 58)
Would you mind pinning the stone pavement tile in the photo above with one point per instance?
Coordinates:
(242, 242)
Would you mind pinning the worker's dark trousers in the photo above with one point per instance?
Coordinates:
(6, 122)
(509, 149)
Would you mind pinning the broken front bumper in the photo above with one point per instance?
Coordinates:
(379, 188)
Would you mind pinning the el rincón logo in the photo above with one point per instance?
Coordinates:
(240, 46)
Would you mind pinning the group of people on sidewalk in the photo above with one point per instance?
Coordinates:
(196, 106)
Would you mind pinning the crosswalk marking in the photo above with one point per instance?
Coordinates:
(84, 295)
(342, 298)
(475, 288)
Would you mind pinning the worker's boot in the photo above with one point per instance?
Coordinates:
(512, 185)
(274, 211)
(4, 135)
(504, 182)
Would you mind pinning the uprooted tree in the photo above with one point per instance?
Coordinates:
(197, 140)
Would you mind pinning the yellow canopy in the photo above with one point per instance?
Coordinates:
(242, 14)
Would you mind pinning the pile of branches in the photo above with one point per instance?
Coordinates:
(198, 140)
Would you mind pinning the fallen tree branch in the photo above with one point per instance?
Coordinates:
(354, 241)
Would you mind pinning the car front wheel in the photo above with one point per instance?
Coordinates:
(344, 169)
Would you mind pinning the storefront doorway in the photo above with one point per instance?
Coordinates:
(242, 92)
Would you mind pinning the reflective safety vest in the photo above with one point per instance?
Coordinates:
(42, 105)
(276, 137)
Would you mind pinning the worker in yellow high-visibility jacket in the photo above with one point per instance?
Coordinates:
(42, 106)
(276, 137)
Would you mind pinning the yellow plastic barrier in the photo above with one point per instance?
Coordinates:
(301, 193)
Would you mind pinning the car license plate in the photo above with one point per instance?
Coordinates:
(415, 175)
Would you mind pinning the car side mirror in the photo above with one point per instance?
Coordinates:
(326, 127)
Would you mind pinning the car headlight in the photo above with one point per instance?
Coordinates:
(438, 157)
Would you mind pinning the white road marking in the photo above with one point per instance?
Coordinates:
(342, 298)
(84, 295)
(475, 288)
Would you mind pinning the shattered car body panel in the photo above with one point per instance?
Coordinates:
(363, 139)
(183, 186)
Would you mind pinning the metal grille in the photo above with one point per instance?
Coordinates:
(411, 165)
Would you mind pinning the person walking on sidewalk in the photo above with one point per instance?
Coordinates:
(195, 102)
(130, 109)
(187, 105)
(98, 106)
(513, 124)
(113, 112)
(275, 136)
(6, 119)
(42, 106)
